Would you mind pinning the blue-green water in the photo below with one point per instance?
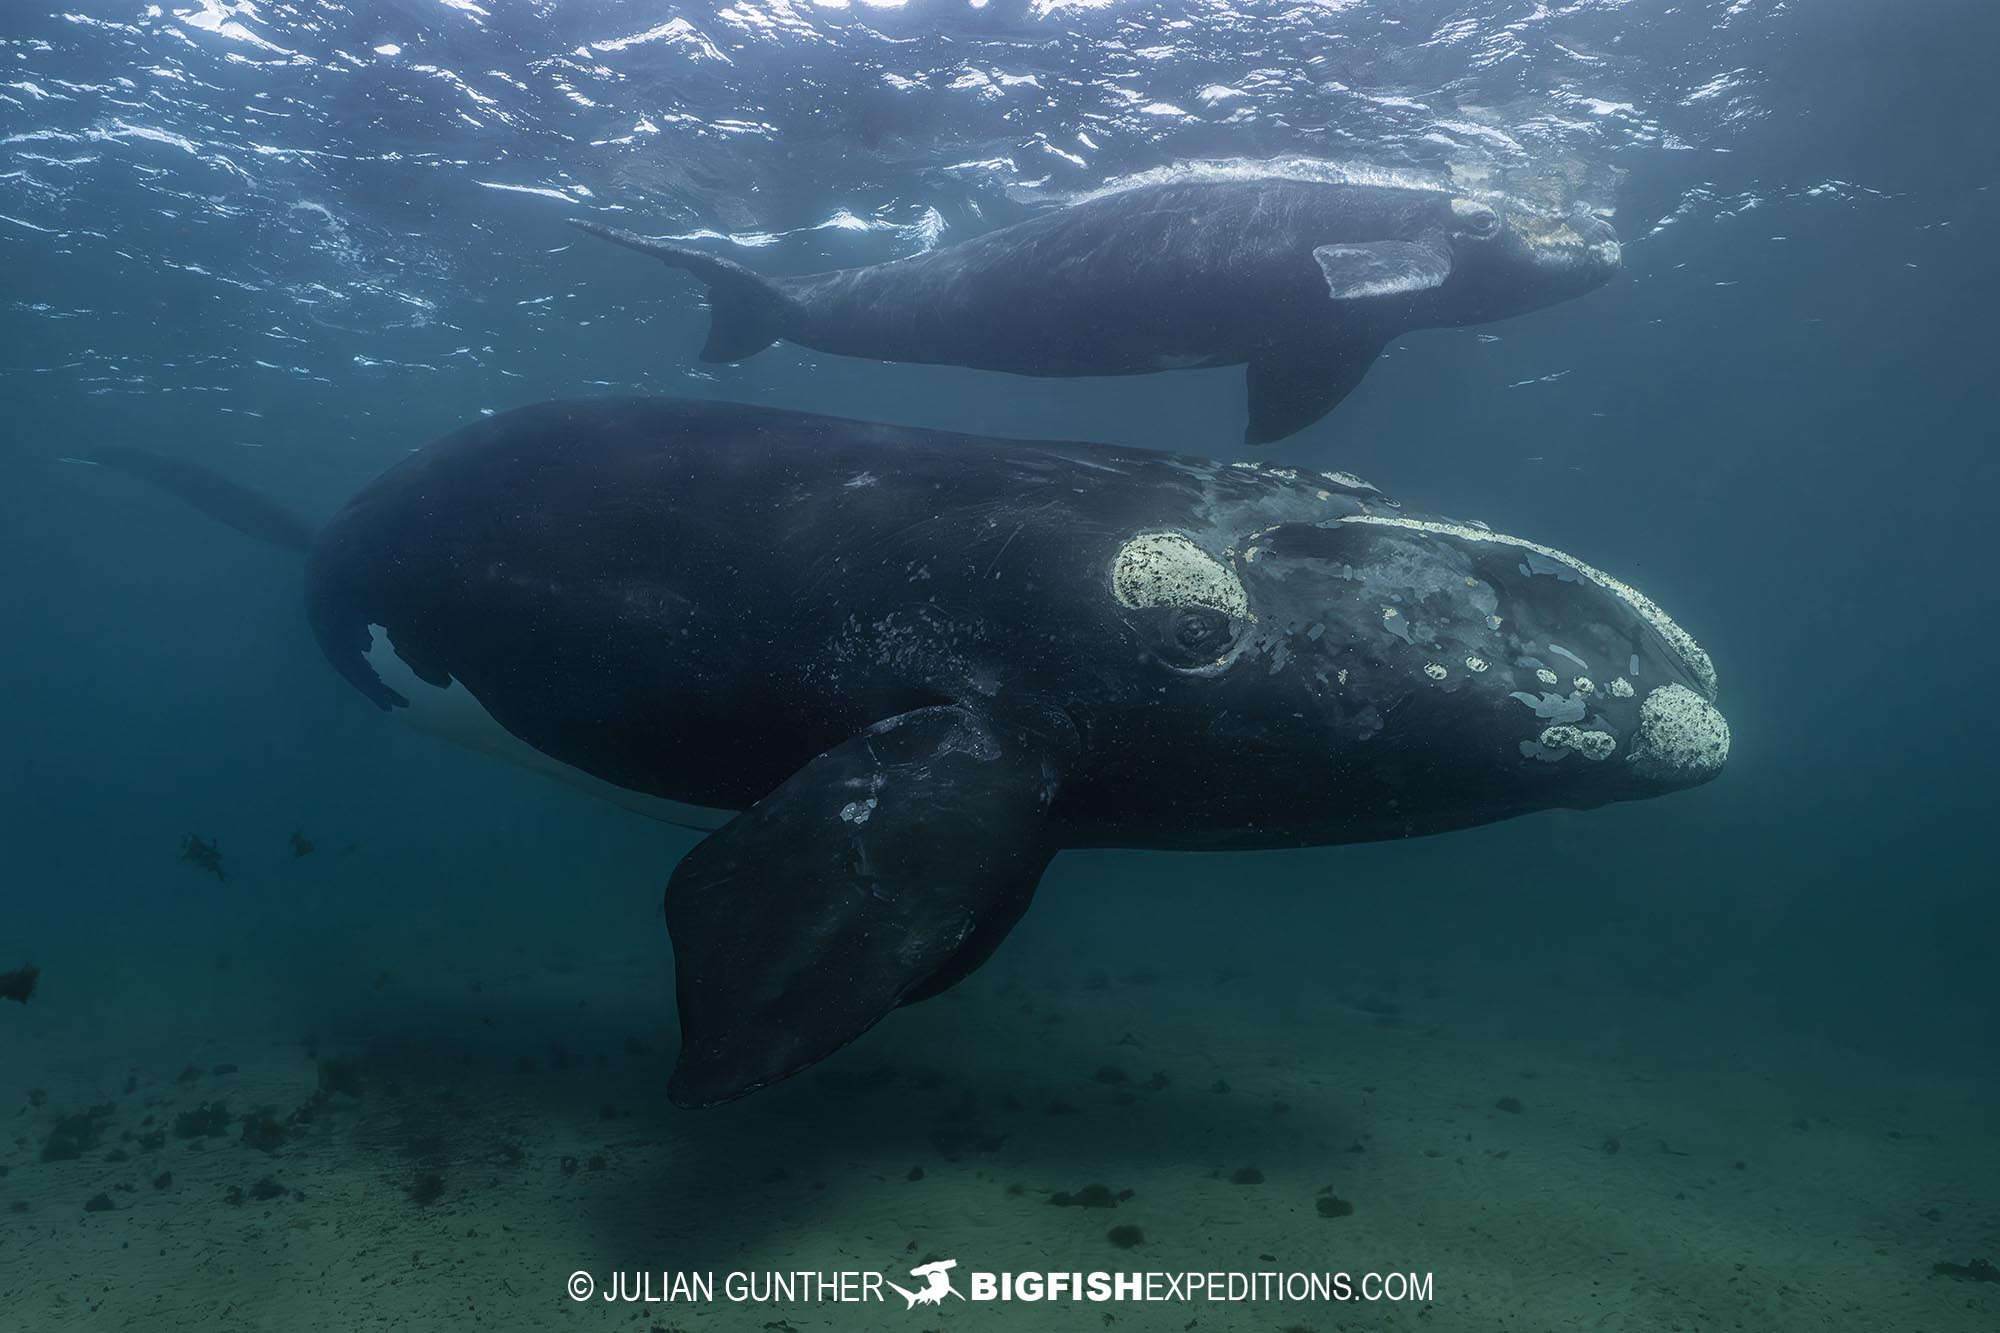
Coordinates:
(293, 242)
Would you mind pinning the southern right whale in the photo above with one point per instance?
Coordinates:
(1303, 282)
(896, 670)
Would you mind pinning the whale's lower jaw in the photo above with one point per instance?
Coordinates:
(452, 712)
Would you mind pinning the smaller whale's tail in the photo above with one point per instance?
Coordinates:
(747, 312)
(215, 495)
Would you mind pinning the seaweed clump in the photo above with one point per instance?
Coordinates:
(209, 1120)
(74, 1135)
(264, 1132)
(1979, 1270)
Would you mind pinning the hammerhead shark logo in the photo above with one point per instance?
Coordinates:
(937, 1287)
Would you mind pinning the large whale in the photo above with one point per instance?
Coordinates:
(1303, 282)
(896, 670)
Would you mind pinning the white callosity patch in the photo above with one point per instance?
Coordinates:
(455, 714)
(857, 812)
(1690, 653)
(1681, 736)
(1592, 745)
(1544, 675)
(1169, 569)
(1583, 685)
(1476, 664)
(1621, 688)
(1434, 670)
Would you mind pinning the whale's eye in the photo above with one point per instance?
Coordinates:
(1186, 605)
(1186, 638)
(1475, 219)
(1199, 630)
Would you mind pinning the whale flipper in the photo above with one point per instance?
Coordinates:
(882, 871)
(747, 312)
(1292, 386)
(1382, 268)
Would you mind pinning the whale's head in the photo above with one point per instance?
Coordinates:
(1374, 674)
(1508, 257)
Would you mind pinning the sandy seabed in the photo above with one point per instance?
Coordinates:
(1619, 1159)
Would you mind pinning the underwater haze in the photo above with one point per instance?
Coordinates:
(334, 1023)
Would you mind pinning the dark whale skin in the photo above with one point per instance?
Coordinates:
(1278, 275)
(897, 670)
(693, 599)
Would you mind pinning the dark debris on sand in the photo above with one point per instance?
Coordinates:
(75, 1134)
(427, 1188)
(264, 1131)
(1979, 1270)
(209, 1120)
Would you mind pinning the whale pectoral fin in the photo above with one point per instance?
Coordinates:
(1382, 268)
(886, 868)
(1293, 386)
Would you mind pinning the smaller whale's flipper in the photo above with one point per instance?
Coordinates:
(1291, 387)
(747, 312)
(213, 494)
(1382, 268)
(894, 861)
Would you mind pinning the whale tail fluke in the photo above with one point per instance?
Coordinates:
(747, 312)
(213, 494)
